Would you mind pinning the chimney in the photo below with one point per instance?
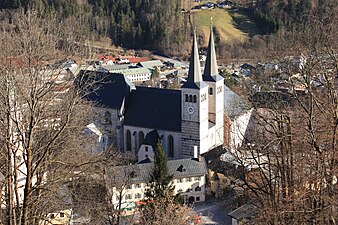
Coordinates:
(196, 152)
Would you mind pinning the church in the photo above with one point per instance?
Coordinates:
(188, 122)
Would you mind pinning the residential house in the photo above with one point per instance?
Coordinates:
(128, 184)
(62, 217)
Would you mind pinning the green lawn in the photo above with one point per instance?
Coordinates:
(233, 26)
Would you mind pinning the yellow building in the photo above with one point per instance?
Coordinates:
(58, 218)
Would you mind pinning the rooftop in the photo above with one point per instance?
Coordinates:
(139, 173)
(110, 89)
(154, 108)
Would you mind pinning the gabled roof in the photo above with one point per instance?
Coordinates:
(154, 108)
(234, 105)
(138, 59)
(114, 67)
(194, 80)
(246, 211)
(110, 89)
(140, 172)
(151, 138)
(151, 64)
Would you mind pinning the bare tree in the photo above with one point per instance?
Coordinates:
(43, 118)
(292, 152)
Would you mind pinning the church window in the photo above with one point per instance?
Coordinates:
(211, 92)
(140, 138)
(146, 149)
(107, 118)
(195, 98)
(186, 97)
(128, 138)
(190, 98)
(219, 89)
(170, 146)
(203, 97)
(198, 188)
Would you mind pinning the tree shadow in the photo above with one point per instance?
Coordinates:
(243, 23)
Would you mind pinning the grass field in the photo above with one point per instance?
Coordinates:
(233, 26)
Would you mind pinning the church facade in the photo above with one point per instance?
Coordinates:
(187, 121)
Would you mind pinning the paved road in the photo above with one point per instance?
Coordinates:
(213, 213)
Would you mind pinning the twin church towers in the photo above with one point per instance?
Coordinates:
(202, 104)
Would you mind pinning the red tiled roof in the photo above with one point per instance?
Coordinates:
(138, 59)
(107, 57)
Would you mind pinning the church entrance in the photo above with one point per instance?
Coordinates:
(191, 200)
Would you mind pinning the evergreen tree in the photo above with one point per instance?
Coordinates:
(160, 181)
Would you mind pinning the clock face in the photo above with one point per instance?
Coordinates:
(190, 110)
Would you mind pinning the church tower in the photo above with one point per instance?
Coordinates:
(194, 100)
(215, 95)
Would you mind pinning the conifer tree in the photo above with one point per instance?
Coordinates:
(160, 179)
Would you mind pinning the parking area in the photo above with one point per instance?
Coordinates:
(213, 213)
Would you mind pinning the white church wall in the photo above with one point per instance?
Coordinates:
(145, 151)
(212, 137)
(238, 128)
(135, 142)
(113, 127)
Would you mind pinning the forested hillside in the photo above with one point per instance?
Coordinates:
(290, 14)
(152, 24)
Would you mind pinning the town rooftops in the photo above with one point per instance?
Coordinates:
(138, 59)
(154, 108)
(246, 211)
(125, 69)
(151, 64)
(139, 173)
(114, 67)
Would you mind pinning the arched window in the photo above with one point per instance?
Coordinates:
(198, 188)
(190, 98)
(170, 146)
(107, 118)
(186, 97)
(140, 139)
(195, 98)
(211, 92)
(128, 138)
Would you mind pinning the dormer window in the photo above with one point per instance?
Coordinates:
(181, 168)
